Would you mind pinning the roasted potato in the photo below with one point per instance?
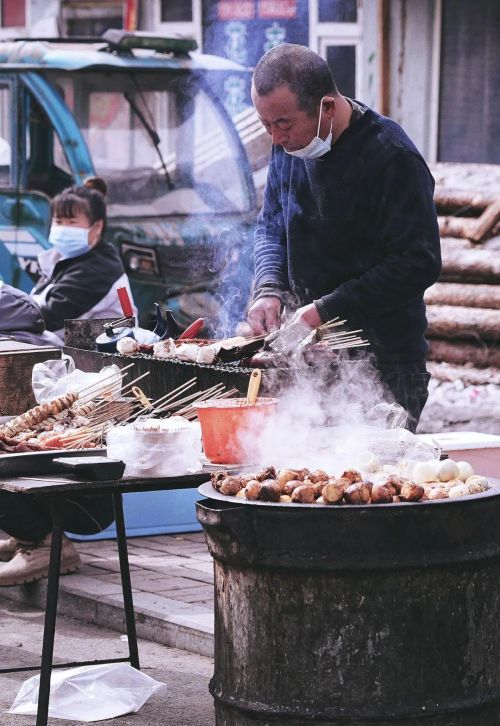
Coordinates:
(411, 492)
(303, 494)
(284, 476)
(332, 492)
(381, 494)
(270, 491)
(291, 485)
(252, 489)
(351, 474)
(358, 493)
(318, 476)
(217, 477)
(268, 473)
(231, 485)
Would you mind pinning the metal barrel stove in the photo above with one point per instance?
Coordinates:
(370, 615)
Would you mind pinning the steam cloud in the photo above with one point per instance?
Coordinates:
(332, 426)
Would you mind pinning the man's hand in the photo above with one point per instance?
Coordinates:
(264, 315)
(307, 315)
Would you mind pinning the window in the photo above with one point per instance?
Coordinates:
(176, 11)
(341, 60)
(13, 13)
(5, 136)
(199, 170)
(337, 11)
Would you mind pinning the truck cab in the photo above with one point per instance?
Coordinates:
(141, 112)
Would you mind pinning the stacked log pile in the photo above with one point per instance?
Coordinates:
(463, 307)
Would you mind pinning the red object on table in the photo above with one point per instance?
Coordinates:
(124, 299)
(192, 330)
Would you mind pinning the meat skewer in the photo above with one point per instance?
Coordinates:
(36, 415)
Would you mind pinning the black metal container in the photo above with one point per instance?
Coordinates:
(356, 615)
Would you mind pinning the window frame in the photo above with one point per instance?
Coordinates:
(323, 35)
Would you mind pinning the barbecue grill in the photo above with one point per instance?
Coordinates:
(379, 614)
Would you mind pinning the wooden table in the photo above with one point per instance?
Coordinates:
(55, 488)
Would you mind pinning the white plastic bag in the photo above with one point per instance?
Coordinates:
(89, 693)
(54, 378)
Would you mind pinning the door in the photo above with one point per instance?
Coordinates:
(469, 101)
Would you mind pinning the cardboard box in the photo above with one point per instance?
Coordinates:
(482, 451)
(16, 365)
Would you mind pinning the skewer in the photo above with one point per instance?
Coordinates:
(110, 375)
(192, 398)
(350, 345)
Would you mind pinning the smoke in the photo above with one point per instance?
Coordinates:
(332, 424)
(232, 260)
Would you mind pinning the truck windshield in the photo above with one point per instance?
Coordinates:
(195, 166)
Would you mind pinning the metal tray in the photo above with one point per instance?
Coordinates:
(39, 462)
(208, 491)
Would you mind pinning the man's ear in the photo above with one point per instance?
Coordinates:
(329, 106)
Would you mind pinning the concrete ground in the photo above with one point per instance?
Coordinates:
(172, 581)
(184, 702)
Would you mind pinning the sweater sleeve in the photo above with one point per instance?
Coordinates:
(73, 295)
(405, 223)
(270, 247)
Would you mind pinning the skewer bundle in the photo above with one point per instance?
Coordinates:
(339, 340)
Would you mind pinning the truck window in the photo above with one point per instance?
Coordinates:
(5, 135)
(196, 167)
(48, 169)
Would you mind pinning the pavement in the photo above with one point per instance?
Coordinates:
(184, 701)
(172, 585)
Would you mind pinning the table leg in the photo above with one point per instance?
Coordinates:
(50, 613)
(126, 583)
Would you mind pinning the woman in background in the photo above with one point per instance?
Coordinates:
(81, 272)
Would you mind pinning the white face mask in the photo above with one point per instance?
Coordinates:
(317, 146)
(69, 241)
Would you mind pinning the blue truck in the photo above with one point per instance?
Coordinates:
(142, 112)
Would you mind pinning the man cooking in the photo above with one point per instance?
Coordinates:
(348, 226)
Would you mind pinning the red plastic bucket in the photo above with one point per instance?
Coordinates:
(229, 426)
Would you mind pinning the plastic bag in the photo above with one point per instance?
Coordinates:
(89, 693)
(54, 378)
(171, 447)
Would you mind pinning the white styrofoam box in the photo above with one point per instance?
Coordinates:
(482, 451)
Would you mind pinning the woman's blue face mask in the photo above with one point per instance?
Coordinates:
(69, 241)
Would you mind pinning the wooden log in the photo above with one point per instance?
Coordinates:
(468, 376)
(470, 265)
(457, 352)
(470, 296)
(461, 201)
(450, 321)
(456, 226)
(486, 222)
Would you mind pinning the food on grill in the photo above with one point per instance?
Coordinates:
(425, 471)
(270, 491)
(284, 476)
(302, 486)
(459, 490)
(352, 475)
(411, 492)
(303, 494)
(448, 470)
(38, 414)
(358, 493)
(252, 489)
(127, 346)
(10, 445)
(230, 485)
(318, 476)
(332, 492)
(381, 494)
(465, 470)
(292, 484)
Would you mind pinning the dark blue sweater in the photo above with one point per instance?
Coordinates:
(356, 232)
